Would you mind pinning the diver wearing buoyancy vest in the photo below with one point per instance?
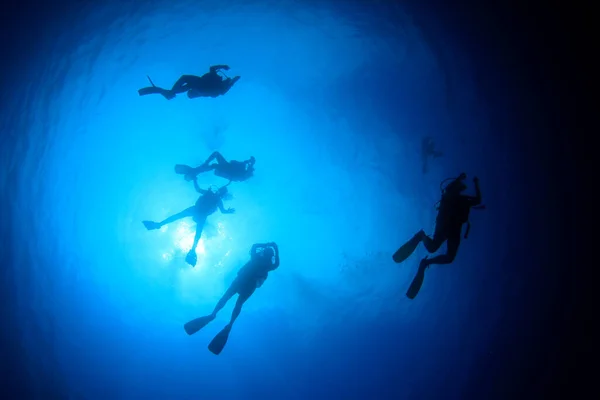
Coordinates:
(453, 212)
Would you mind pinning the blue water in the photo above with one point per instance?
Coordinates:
(333, 102)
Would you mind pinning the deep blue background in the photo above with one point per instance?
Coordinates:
(506, 320)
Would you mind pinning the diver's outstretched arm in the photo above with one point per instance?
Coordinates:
(225, 210)
(477, 199)
(188, 212)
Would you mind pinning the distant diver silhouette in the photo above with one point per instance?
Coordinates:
(428, 151)
(206, 205)
(250, 277)
(453, 212)
(236, 171)
(211, 84)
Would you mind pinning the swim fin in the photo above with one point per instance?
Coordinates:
(156, 90)
(149, 90)
(408, 248)
(196, 324)
(191, 258)
(182, 169)
(219, 341)
(150, 225)
(417, 282)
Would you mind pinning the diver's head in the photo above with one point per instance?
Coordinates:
(222, 192)
(457, 186)
(251, 161)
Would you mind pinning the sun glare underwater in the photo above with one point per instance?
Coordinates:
(334, 103)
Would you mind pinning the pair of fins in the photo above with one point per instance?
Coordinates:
(167, 94)
(401, 255)
(218, 342)
(182, 169)
(190, 173)
(191, 258)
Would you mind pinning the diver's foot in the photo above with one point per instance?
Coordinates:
(191, 258)
(424, 264)
(420, 235)
(151, 225)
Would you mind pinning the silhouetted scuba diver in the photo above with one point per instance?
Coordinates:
(250, 277)
(453, 212)
(236, 171)
(206, 205)
(428, 150)
(210, 84)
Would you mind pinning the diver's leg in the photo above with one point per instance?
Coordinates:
(216, 156)
(221, 167)
(183, 84)
(191, 257)
(199, 228)
(437, 154)
(203, 168)
(228, 295)
(452, 248)
(193, 172)
(432, 245)
(167, 94)
(188, 212)
(245, 295)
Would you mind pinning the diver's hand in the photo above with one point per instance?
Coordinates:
(225, 67)
(230, 210)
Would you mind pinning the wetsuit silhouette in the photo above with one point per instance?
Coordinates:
(210, 84)
(236, 171)
(206, 205)
(250, 277)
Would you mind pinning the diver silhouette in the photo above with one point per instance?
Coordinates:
(211, 84)
(250, 277)
(427, 151)
(236, 171)
(453, 212)
(206, 205)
